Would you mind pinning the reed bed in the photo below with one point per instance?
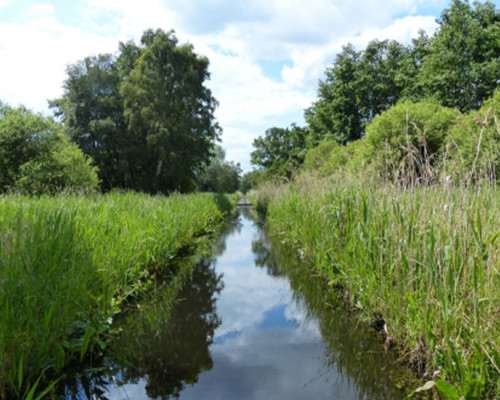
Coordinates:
(422, 262)
(68, 262)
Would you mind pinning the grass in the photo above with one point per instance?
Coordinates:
(424, 261)
(68, 262)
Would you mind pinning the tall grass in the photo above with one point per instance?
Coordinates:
(426, 259)
(66, 264)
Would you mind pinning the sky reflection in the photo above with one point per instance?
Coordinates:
(268, 344)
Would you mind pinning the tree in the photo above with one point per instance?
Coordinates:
(35, 157)
(145, 116)
(252, 179)
(92, 113)
(359, 86)
(336, 113)
(220, 175)
(169, 113)
(462, 68)
(411, 66)
(281, 151)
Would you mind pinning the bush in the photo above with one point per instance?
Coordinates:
(474, 143)
(35, 157)
(409, 138)
(64, 167)
(351, 158)
(330, 157)
(317, 157)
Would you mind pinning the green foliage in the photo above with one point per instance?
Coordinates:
(409, 137)
(223, 203)
(169, 111)
(250, 180)
(425, 259)
(35, 157)
(220, 175)
(336, 111)
(462, 68)
(281, 151)
(145, 116)
(92, 113)
(65, 167)
(474, 143)
(352, 158)
(316, 157)
(459, 67)
(358, 86)
(329, 157)
(68, 262)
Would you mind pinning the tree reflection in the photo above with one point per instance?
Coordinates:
(172, 351)
(266, 256)
(163, 341)
(233, 225)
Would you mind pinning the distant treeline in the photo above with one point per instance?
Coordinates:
(142, 119)
(417, 106)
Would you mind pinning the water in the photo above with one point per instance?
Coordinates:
(251, 324)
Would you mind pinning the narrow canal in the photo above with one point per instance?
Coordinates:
(251, 323)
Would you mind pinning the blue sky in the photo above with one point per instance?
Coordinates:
(266, 55)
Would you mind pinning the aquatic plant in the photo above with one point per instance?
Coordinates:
(423, 261)
(67, 263)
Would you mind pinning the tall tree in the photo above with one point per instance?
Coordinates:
(145, 116)
(92, 113)
(169, 112)
(336, 112)
(358, 86)
(462, 68)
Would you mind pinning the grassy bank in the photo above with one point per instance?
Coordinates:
(424, 261)
(68, 262)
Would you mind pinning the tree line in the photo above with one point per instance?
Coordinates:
(458, 68)
(141, 119)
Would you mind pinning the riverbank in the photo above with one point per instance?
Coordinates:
(67, 263)
(421, 263)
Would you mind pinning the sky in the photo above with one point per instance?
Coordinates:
(266, 56)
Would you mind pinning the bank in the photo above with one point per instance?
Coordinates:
(69, 263)
(419, 264)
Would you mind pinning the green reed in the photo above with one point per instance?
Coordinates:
(426, 259)
(68, 262)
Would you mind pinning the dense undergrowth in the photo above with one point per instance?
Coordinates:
(424, 261)
(68, 262)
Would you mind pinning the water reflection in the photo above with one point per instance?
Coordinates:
(352, 348)
(162, 348)
(172, 352)
(241, 332)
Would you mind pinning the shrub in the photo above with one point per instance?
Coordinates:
(63, 167)
(474, 143)
(409, 138)
(317, 157)
(35, 157)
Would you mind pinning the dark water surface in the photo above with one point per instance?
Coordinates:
(250, 324)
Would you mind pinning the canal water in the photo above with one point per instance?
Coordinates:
(251, 323)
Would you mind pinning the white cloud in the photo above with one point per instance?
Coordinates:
(41, 9)
(236, 36)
